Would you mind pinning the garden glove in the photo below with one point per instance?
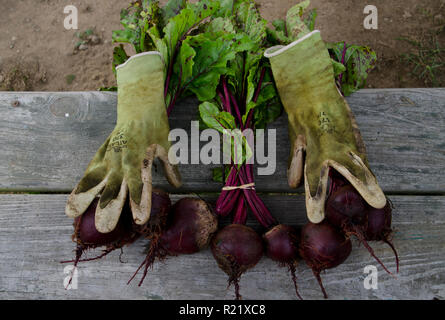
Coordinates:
(322, 129)
(123, 163)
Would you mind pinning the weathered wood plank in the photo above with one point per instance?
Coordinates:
(48, 139)
(35, 235)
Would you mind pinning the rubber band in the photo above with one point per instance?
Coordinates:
(250, 186)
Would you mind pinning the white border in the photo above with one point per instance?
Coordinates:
(269, 53)
(140, 55)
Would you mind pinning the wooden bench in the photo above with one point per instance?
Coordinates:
(47, 140)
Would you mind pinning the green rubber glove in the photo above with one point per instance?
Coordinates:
(123, 163)
(322, 129)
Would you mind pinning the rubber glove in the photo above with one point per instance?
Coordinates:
(122, 165)
(322, 129)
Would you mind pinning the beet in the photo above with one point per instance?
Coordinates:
(347, 210)
(126, 231)
(379, 227)
(236, 248)
(88, 235)
(281, 245)
(346, 206)
(323, 247)
(187, 229)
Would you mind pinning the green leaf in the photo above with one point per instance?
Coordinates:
(213, 51)
(358, 63)
(310, 20)
(216, 119)
(339, 68)
(296, 27)
(124, 36)
(185, 62)
(158, 42)
(267, 113)
(217, 173)
(172, 8)
(119, 57)
(280, 25)
(112, 89)
(182, 24)
(250, 22)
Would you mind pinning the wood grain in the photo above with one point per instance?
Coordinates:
(35, 236)
(47, 140)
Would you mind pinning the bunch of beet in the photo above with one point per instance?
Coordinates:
(190, 225)
(327, 244)
(188, 229)
(87, 237)
(238, 248)
(183, 228)
(348, 211)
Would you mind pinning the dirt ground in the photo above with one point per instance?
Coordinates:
(37, 53)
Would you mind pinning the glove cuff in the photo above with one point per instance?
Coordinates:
(140, 82)
(277, 50)
(139, 67)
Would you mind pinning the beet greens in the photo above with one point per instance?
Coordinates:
(352, 63)
(245, 99)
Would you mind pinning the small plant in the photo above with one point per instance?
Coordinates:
(70, 78)
(428, 58)
(85, 38)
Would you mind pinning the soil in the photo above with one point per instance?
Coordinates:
(38, 53)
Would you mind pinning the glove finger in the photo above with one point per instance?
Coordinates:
(140, 191)
(92, 183)
(296, 163)
(110, 206)
(363, 180)
(171, 171)
(81, 197)
(315, 204)
(356, 172)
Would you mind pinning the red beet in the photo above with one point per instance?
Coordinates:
(345, 206)
(379, 227)
(281, 245)
(346, 209)
(188, 229)
(323, 247)
(126, 232)
(236, 248)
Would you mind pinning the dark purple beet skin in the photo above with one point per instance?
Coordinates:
(379, 223)
(281, 243)
(323, 247)
(345, 206)
(189, 227)
(239, 244)
(236, 248)
(379, 228)
(88, 234)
